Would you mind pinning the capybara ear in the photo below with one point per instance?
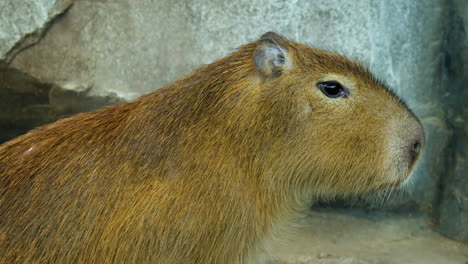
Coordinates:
(271, 58)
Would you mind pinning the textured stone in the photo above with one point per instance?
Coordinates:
(132, 49)
(25, 20)
(101, 52)
(453, 207)
(353, 236)
(23, 98)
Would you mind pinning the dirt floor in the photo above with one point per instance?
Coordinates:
(356, 237)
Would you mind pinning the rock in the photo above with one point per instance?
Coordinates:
(23, 98)
(26, 102)
(23, 103)
(346, 261)
(23, 22)
(453, 207)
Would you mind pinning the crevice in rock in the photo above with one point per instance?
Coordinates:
(34, 38)
(26, 102)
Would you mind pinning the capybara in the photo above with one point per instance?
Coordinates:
(208, 169)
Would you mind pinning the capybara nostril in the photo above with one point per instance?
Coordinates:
(416, 146)
(414, 152)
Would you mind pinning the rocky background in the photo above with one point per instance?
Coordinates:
(59, 57)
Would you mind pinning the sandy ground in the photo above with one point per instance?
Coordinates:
(356, 237)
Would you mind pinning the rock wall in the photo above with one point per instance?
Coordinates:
(452, 210)
(62, 57)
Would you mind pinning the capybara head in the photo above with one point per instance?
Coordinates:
(316, 120)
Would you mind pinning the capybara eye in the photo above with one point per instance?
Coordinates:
(333, 89)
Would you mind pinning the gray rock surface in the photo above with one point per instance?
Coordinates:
(102, 52)
(26, 21)
(23, 98)
(356, 237)
(453, 207)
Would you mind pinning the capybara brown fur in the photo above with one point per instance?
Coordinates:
(208, 169)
